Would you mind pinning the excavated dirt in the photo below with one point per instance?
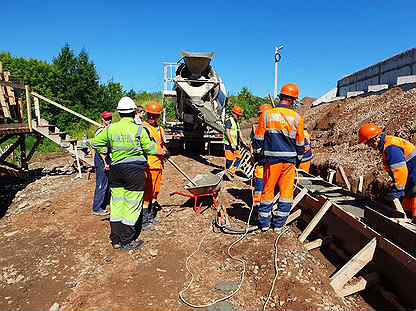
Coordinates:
(334, 129)
(53, 250)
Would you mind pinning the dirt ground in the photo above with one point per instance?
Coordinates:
(53, 250)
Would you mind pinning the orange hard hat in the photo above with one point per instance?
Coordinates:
(290, 89)
(154, 108)
(263, 108)
(368, 131)
(238, 110)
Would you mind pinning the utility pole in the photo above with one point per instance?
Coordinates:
(277, 57)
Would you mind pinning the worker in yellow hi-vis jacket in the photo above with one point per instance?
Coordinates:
(130, 145)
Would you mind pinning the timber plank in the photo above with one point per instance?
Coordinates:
(395, 232)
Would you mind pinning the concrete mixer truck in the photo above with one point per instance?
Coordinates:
(199, 97)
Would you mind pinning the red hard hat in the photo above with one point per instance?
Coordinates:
(154, 108)
(238, 110)
(290, 89)
(368, 131)
(106, 115)
(263, 108)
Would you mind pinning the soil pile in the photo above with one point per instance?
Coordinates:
(334, 129)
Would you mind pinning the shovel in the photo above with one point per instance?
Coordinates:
(182, 172)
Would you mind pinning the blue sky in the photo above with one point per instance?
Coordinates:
(129, 40)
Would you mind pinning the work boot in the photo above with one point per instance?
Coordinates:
(147, 223)
(277, 230)
(132, 246)
(116, 246)
(156, 206)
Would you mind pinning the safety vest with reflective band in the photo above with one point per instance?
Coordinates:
(234, 128)
(399, 158)
(100, 150)
(280, 136)
(307, 155)
(156, 134)
(128, 142)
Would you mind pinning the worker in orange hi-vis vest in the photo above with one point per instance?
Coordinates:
(279, 140)
(399, 158)
(154, 164)
(306, 161)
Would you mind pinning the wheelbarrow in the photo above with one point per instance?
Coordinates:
(202, 186)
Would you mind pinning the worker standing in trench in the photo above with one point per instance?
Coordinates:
(259, 171)
(399, 158)
(102, 167)
(232, 141)
(280, 140)
(155, 165)
(305, 163)
(130, 145)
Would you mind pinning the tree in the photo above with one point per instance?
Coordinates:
(247, 101)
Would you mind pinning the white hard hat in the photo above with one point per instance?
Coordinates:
(126, 105)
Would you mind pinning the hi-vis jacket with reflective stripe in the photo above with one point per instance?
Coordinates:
(399, 157)
(308, 155)
(157, 135)
(128, 142)
(234, 127)
(280, 136)
(100, 150)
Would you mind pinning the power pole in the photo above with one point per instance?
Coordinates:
(277, 57)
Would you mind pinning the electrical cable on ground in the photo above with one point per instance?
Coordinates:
(275, 253)
(242, 275)
(275, 267)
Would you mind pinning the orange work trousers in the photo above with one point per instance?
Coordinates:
(306, 166)
(232, 160)
(279, 177)
(258, 184)
(152, 185)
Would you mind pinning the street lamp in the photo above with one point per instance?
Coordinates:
(277, 57)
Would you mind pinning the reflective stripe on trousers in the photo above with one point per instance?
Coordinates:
(279, 177)
(126, 205)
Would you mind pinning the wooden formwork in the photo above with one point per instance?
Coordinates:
(376, 242)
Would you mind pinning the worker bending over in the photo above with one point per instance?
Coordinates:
(154, 164)
(259, 171)
(306, 161)
(130, 145)
(280, 141)
(399, 158)
(232, 141)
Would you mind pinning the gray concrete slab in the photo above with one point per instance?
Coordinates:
(406, 79)
(377, 87)
(355, 93)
